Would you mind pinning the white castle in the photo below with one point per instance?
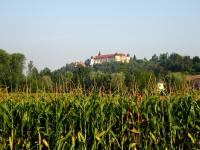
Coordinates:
(117, 57)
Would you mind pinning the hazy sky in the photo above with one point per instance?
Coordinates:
(55, 32)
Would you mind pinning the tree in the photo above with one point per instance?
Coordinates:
(30, 68)
(187, 64)
(4, 68)
(33, 77)
(69, 81)
(47, 83)
(175, 62)
(196, 64)
(11, 69)
(45, 72)
(16, 69)
(154, 58)
(176, 81)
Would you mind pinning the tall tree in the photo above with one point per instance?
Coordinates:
(16, 69)
(4, 68)
(11, 69)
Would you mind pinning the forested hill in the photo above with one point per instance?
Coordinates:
(108, 76)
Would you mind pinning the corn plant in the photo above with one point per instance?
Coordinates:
(99, 121)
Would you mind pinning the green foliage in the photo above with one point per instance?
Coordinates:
(176, 81)
(4, 67)
(11, 70)
(77, 121)
(117, 81)
(138, 74)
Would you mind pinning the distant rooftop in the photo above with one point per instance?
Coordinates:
(192, 77)
(108, 56)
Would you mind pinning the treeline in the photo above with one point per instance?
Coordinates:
(11, 70)
(136, 75)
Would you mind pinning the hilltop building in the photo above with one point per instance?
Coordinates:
(79, 64)
(117, 57)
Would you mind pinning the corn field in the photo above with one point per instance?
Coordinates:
(99, 121)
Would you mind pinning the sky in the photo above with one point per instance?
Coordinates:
(52, 33)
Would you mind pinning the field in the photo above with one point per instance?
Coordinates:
(99, 121)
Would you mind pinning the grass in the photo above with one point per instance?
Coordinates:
(99, 121)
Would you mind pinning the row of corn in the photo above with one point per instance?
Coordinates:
(95, 121)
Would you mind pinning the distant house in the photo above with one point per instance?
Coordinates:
(117, 57)
(79, 63)
(193, 80)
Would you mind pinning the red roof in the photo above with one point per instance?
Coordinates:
(108, 56)
(193, 77)
(105, 56)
